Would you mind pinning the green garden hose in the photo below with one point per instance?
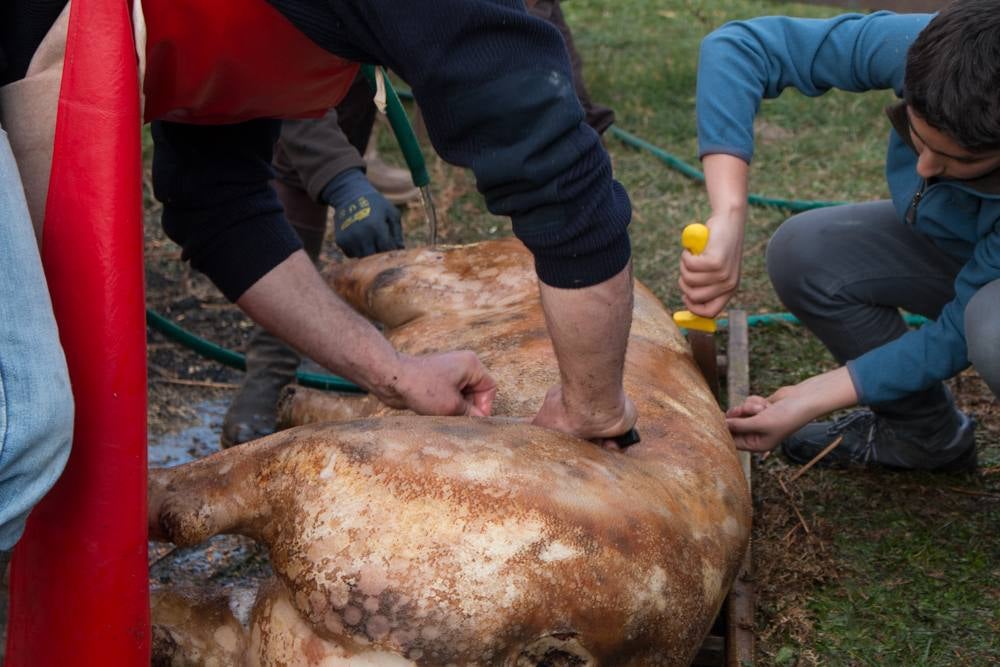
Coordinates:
(408, 144)
(675, 163)
(235, 360)
(788, 318)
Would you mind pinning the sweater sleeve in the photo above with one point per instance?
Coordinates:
(218, 204)
(317, 150)
(937, 350)
(496, 91)
(744, 62)
(23, 26)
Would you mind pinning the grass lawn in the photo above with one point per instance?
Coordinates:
(882, 569)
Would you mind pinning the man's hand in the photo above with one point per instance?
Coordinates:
(448, 383)
(364, 221)
(597, 427)
(294, 303)
(760, 424)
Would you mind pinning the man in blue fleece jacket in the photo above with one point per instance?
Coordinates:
(845, 271)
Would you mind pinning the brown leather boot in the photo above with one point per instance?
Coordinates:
(271, 364)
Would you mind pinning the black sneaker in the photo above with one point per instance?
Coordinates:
(873, 441)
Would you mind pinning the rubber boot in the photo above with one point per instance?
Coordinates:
(271, 364)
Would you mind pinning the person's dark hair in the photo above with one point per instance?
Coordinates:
(952, 76)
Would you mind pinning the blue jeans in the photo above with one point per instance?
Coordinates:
(36, 404)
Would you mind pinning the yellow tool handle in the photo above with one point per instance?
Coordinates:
(694, 238)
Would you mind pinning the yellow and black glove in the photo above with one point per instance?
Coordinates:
(364, 222)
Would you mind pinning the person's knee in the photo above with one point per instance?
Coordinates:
(792, 253)
(982, 333)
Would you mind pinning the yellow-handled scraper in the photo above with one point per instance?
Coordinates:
(694, 238)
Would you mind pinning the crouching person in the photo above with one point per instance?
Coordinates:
(846, 271)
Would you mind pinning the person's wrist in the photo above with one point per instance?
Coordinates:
(390, 385)
(730, 215)
(346, 186)
(825, 393)
(595, 413)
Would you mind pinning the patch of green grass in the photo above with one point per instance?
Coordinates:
(897, 569)
(920, 580)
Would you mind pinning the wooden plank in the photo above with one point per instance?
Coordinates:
(712, 652)
(738, 358)
(704, 353)
(739, 607)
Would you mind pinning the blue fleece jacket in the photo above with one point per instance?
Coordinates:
(743, 62)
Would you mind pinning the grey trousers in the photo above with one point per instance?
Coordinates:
(845, 271)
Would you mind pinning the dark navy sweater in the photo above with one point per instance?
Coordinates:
(23, 24)
(496, 92)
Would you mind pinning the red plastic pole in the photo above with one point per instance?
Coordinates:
(79, 593)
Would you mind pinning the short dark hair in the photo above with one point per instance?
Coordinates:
(952, 76)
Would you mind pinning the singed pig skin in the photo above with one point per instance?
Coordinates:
(407, 540)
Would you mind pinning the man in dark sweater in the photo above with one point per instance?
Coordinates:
(496, 91)
(318, 165)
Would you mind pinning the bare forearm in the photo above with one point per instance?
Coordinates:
(589, 329)
(709, 280)
(292, 302)
(760, 424)
(825, 393)
(726, 184)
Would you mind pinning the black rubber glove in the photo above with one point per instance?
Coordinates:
(364, 222)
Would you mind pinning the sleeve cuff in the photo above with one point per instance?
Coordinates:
(245, 253)
(852, 371)
(576, 272)
(710, 149)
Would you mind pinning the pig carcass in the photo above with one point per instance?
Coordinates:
(399, 539)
